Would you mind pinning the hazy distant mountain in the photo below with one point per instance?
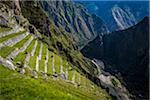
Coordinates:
(123, 18)
(118, 15)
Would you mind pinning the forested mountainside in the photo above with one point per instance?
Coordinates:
(127, 52)
(44, 53)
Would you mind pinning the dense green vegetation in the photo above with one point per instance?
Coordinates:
(17, 86)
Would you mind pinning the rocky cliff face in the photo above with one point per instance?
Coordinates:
(123, 18)
(127, 53)
(74, 19)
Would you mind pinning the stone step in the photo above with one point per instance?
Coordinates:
(13, 40)
(22, 49)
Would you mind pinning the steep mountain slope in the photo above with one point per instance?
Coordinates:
(75, 19)
(94, 49)
(31, 45)
(127, 52)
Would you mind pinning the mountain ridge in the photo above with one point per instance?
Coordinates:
(74, 19)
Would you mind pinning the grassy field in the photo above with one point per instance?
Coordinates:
(16, 86)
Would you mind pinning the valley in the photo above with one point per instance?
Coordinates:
(59, 50)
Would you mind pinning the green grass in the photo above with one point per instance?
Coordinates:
(70, 73)
(77, 79)
(32, 61)
(30, 47)
(11, 35)
(43, 58)
(57, 63)
(49, 67)
(5, 51)
(15, 86)
(21, 56)
(3, 29)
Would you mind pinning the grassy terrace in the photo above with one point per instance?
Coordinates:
(5, 51)
(41, 62)
(22, 87)
(32, 61)
(21, 56)
(11, 36)
(57, 63)
(65, 65)
(49, 67)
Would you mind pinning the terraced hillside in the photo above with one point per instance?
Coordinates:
(24, 52)
(48, 62)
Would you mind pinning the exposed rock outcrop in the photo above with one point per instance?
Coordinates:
(74, 19)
